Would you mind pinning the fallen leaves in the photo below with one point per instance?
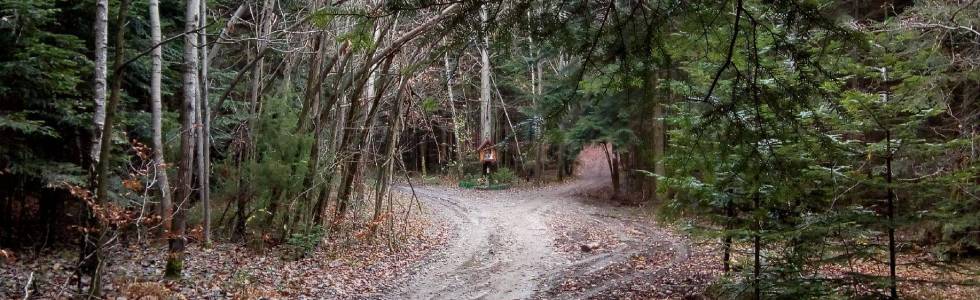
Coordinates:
(341, 268)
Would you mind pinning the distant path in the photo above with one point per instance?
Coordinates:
(514, 244)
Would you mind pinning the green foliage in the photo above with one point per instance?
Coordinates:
(281, 158)
(503, 175)
(362, 35)
(782, 136)
(41, 103)
(429, 105)
(467, 184)
(472, 180)
(302, 244)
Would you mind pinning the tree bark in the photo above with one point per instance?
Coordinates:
(204, 134)
(319, 209)
(486, 115)
(757, 247)
(727, 239)
(105, 151)
(659, 145)
(157, 111)
(389, 148)
(456, 122)
(354, 143)
(185, 168)
(613, 161)
(101, 29)
(539, 86)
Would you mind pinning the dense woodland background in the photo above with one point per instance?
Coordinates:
(799, 135)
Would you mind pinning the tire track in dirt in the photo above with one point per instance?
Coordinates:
(499, 249)
(505, 245)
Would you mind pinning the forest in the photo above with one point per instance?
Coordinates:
(489, 149)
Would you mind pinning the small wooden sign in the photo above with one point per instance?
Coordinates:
(488, 153)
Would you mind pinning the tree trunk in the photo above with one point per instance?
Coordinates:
(320, 209)
(204, 130)
(539, 85)
(157, 110)
(354, 143)
(727, 240)
(235, 17)
(321, 111)
(311, 96)
(486, 115)
(423, 154)
(503, 133)
(105, 151)
(617, 185)
(892, 278)
(457, 125)
(263, 31)
(659, 141)
(371, 90)
(563, 163)
(185, 168)
(613, 161)
(757, 248)
(101, 29)
(389, 148)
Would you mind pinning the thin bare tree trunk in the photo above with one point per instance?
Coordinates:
(340, 115)
(371, 90)
(503, 106)
(263, 33)
(101, 29)
(423, 154)
(354, 143)
(235, 17)
(613, 160)
(486, 115)
(659, 138)
(157, 111)
(539, 86)
(319, 208)
(892, 277)
(185, 168)
(95, 289)
(389, 146)
(204, 141)
(311, 96)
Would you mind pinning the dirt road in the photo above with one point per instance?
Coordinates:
(528, 243)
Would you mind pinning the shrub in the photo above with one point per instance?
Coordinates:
(503, 175)
(301, 244)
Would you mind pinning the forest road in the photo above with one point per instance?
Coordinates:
(504, 244)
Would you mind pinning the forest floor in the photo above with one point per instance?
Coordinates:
(338, 269)
(557, 241)
(560, 241)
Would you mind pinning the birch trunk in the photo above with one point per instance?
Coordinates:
(204, 134)
(185, 168)
(102, 168)
(157, 111)
(101, 28)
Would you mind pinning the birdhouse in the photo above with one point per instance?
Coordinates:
(488, 152)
